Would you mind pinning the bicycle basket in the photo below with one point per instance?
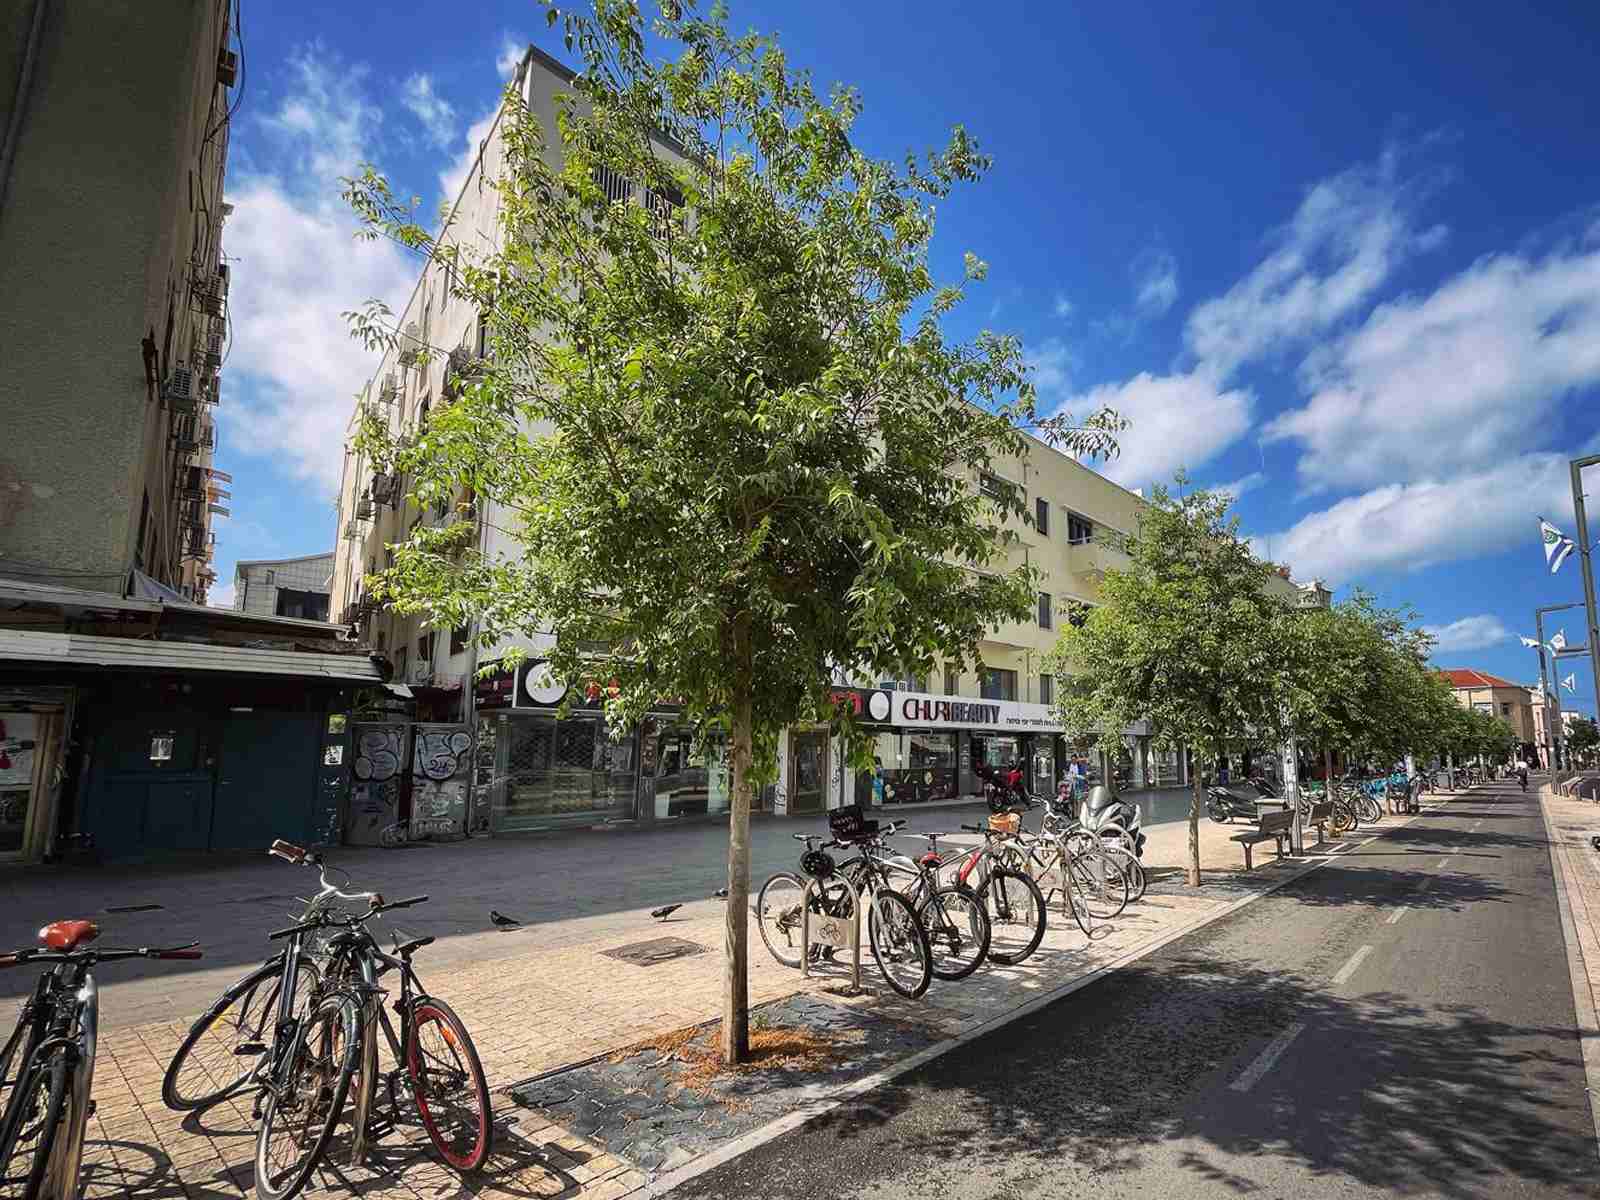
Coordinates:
(849, 824)
(818, 864)
(1005, 822)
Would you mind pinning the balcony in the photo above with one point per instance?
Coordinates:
(1090, 560)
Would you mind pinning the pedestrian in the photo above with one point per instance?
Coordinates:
(1014, 779)
(1522, 772)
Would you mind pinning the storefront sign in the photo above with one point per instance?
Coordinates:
(865, 704)
(949, 712)
(496, 691)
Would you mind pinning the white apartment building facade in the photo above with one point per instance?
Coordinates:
(536, 771)
(284, 587)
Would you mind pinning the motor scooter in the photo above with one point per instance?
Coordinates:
(1106, 813)
(1222, 806)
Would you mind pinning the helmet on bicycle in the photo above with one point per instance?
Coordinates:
(818, 864)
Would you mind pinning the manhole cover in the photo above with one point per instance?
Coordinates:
(656, 950)
(126, 908)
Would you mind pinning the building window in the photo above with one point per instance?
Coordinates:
(481, 346)
(999, 684)
(618, 188)
(1047, 689)
(993, 486)
(458, 639)
(1044, 610)
(309, 606)
(663, 205)
(1505, 710)
(1080, 530)
(952, 681)
(1041, 515)
(425, 648)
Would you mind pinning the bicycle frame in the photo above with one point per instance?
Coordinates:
(64, 1009)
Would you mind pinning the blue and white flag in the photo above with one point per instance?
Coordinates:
(1559, 642)
(1557, 545)
(1530, 643)
(1570, 682)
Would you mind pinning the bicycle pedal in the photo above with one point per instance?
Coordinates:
(244, 1049)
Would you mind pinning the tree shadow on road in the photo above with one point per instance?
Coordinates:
(1437, 1098)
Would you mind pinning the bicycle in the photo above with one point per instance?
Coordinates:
(1015, 905)
(53, 1049)
(1058, 866)
(957, 921)
(437, 1066)
(898, 939)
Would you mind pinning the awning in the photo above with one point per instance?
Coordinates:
(75, 649)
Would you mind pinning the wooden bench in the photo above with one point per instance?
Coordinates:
(1275, 827)
(1317, 817)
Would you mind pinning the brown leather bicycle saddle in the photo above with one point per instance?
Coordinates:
(66, 935)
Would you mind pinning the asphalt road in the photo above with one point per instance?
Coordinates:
(1397, 1023)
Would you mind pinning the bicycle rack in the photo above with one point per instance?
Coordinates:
(838, 932)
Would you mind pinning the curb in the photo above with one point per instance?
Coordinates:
(813, 1103)
(1583, 999)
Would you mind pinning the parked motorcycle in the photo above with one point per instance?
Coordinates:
(1222, 806)
(1106, 813)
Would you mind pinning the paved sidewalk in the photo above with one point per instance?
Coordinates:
(1570, 823)
(547, 996)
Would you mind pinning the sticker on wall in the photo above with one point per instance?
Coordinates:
(161, 747)
(333, 756)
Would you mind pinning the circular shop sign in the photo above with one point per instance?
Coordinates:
(878, 706)
(541, 689)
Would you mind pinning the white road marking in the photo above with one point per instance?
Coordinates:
(1349, 968)
(1395, 916)
(1263, 1063)
(1443, 860)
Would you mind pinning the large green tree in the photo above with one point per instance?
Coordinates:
(1188, 636)
(1583, 737)
(736, 444)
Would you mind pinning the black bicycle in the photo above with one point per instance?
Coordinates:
(47, 1065)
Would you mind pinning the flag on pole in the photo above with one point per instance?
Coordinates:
(1570, 682)
(1559, 642)
(1557, 545)
(1530, 643)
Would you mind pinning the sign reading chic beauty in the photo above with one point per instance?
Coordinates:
(951, 712)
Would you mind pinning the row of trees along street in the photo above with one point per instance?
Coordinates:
(733, 445)
(1191, 637)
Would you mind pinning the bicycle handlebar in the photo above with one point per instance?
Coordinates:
(19, 958)
(328, 919)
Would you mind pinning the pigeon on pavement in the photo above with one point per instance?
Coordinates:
(503, 921)
(720, 894)
(661, 914)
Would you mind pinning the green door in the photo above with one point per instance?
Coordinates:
(267, 781)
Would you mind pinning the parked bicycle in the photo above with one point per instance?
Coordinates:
(957, 921)
(1015, 905)
(47, 1065)
(897, 937)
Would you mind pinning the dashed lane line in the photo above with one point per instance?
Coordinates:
(1349, 968)
(1394, 917)
(1265, 1060)
(1442, 862)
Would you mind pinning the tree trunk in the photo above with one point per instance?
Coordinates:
(1196, 802)
(736, 932)
(1327, 773)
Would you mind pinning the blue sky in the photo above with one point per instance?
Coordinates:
(1346, 262)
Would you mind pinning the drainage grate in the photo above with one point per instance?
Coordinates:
(127, 908)
(656, 950)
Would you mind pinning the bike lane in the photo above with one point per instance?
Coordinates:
(1399, 1022)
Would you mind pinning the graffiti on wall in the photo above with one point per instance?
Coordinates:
(375, 783)
(441, 769)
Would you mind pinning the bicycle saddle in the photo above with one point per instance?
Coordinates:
(407, 949)
(930, 859)
(67, 935)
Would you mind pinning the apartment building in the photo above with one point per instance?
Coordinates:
(284, 587)
(1511, 702)
(536, 771)
(113, 288)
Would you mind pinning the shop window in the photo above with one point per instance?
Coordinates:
(999, 684)
(1047, 689)
(563, 769)
(910, 768)
(425, 648)
(1044, 610)
(1041, 515)
(1080, 530)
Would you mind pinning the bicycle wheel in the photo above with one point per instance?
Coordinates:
(778, 914)
(226, 1045)
(40, 1117)
(306, 1096)
(1340, 819)
(958, 931)
(1132, 870)
(1099, 881)
(448, 1085)
(899, 944)
(1016, 915)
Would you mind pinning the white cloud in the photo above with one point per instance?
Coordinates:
(1343, 243)
(511, 51)
(1052, 362)
(1063, 307)
(221, 596)
(293, 368)
(1464, 376)
(437, 115)
(1155, 282)
(1175, 421)
(1411, 526)
(453, 176)
(1469, 633)
(1238, 487)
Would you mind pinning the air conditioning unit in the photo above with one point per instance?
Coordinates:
(410, 344)
(179, 390)
(381, 489)
(227, 68)
(364, 509)
(208, 438)
(388, 389)
(224, 278)
(211, 356)
(209, 297)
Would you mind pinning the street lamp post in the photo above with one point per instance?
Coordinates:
(1591, 624)
(1553, 693)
